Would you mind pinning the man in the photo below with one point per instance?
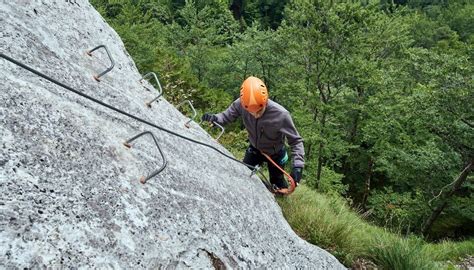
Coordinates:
(267, 124)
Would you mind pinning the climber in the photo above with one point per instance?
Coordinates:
(267, 124)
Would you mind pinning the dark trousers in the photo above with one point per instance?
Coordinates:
(254, 157)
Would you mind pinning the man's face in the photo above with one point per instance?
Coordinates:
(258, 114)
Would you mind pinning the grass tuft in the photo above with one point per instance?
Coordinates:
(329, 223)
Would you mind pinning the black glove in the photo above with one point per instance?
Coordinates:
(209, 117)
(296, 174)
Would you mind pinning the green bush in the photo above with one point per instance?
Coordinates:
(398, 211)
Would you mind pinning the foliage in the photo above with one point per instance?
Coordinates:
(401, 210)
(328, 222)
(331, 182)
(266, 13)
(381, 91)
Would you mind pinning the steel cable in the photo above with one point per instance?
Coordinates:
(24, 66)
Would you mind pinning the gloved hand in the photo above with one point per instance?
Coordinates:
(209, 117)
(296, 174)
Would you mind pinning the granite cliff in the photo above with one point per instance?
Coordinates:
(71, 194)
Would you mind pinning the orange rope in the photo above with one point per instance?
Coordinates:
(283, 191)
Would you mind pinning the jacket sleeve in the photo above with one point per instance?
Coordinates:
(230, 114)
(294, 140)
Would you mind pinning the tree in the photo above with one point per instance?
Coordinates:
(446, 196)
(268, 14)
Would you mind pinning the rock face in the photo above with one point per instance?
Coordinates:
(70, 190)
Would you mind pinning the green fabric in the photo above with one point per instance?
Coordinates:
(284, 159)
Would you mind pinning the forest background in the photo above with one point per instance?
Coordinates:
(380, 90)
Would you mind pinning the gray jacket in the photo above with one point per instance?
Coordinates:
(268, 132)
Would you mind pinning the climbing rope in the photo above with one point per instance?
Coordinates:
(283, 191)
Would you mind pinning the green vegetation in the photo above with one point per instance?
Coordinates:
(328, 222)
(381, 91)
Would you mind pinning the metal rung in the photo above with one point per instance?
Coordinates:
(222, 130)
(96, 77)
(192, 107)
(219, 126)
(115, 109)
(160, 92)
(143, 179)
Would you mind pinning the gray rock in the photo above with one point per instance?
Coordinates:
(70, 190)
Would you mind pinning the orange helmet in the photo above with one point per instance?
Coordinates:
(253, 94)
